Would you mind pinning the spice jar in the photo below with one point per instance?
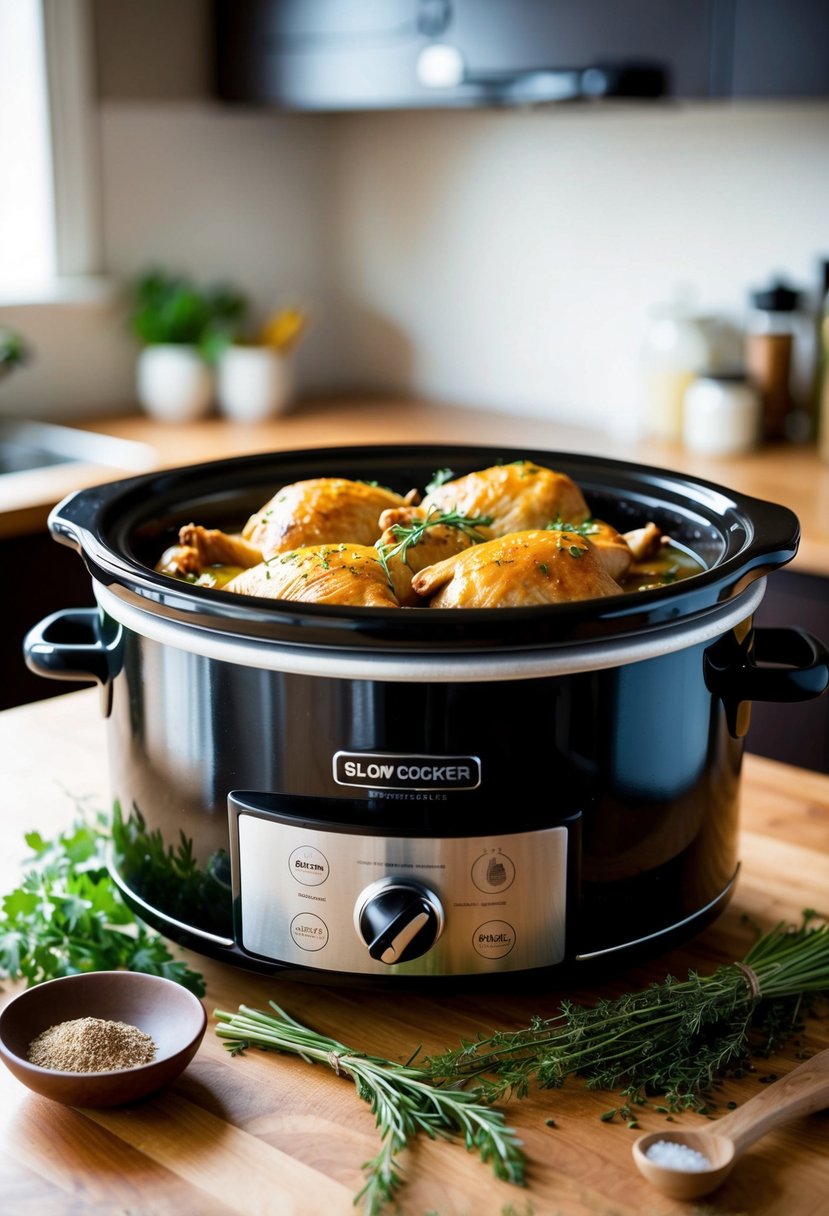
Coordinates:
(721, 415)
(773, 324)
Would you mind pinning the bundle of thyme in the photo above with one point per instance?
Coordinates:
(401, 1096)
(673, 1038)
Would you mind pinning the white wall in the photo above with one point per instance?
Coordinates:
(517, 255)
(218, 193)
(222, 194)
(497, 259)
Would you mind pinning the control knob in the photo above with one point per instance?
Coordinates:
(398, 920)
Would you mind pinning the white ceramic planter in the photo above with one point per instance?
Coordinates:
(173, 383)
(254, 383)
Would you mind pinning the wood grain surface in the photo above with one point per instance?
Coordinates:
(785, 473)
(264, 1134)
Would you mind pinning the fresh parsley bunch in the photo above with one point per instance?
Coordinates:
(67, 916)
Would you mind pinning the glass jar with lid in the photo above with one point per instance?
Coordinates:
(677, 348)
(721, 415)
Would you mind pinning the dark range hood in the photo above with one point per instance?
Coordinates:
(330, 55)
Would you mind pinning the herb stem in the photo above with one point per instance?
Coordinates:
(672, 1038)
(403, 1098)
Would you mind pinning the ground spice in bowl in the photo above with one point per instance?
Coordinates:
(91, 1045)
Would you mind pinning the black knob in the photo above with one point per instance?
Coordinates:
(399, 921)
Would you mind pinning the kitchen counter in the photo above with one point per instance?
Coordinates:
(270, 1135)
(786, 474)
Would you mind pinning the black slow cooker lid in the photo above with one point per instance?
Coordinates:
(122, 528)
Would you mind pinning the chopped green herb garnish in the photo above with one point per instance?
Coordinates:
(439, 478)
(375, 485)
(588, 528)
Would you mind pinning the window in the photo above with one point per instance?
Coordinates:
(27, 230)
(48, 183)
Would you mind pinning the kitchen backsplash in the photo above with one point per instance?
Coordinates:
(500, 260)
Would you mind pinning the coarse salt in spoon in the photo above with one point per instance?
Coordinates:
(690, 1164)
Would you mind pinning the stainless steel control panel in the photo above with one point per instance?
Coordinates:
(297, 889)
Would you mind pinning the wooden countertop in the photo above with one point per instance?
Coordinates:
(270, 1135)
(786, 474)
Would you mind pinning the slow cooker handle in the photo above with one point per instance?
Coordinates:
(68, 646)
(784, 664)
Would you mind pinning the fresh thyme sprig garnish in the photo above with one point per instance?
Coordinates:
(674, 1038)
(408, 535)
(402, 1098)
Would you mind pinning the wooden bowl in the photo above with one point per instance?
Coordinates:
(169, 1014)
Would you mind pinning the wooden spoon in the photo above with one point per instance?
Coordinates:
(801, 1092)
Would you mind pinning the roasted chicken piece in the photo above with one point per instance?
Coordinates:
(620, 551)
(517, 497)
(323, 511)
(610, 546)
(323, 574)
(644, 543)
(413, 539)
(199, 549)
(518, 570)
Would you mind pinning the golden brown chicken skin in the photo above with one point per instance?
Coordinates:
(518, 570)
(200, 547)
(323, 511)
(431, 541)
(322, 574)
(517, 496)
(612, 548)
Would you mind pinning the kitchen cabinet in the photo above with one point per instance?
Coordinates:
(777, 50)
(45, 577)
(322, 55)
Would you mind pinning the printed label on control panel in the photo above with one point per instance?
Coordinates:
(308, 866)
(494, 939)
(309, 932)
(390, 771)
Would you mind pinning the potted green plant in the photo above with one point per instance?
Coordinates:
(182, 328)
(254, 379)
(13, 351)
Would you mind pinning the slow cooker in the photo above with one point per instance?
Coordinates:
(425, 794)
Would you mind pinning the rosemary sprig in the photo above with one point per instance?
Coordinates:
(408, 535)
(402, 1097)
(673, 1038)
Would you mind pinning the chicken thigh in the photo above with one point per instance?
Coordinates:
(518, 570)
(516, 496)
(413, 539)
(323, 511)
(326, 574)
